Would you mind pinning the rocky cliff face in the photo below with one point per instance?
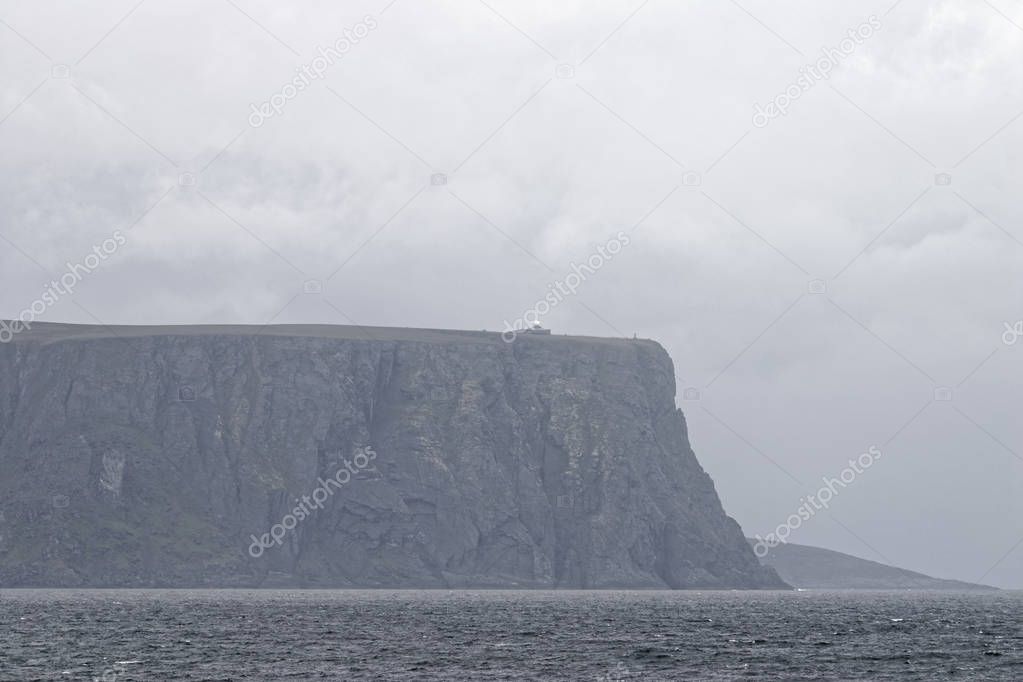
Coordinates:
(143, 456)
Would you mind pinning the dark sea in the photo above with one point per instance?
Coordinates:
(122, 635)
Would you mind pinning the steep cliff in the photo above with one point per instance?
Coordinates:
(182, 456)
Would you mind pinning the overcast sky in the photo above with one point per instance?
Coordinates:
(557, 125)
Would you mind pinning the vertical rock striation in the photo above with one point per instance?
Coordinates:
(146, 456)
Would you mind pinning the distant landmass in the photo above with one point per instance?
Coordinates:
(808, 567)
(326, 456)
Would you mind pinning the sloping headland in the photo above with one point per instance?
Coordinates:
(808, 567)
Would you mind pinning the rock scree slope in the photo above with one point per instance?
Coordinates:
(152, 456)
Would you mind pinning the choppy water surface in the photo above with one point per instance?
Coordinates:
(482, 635)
